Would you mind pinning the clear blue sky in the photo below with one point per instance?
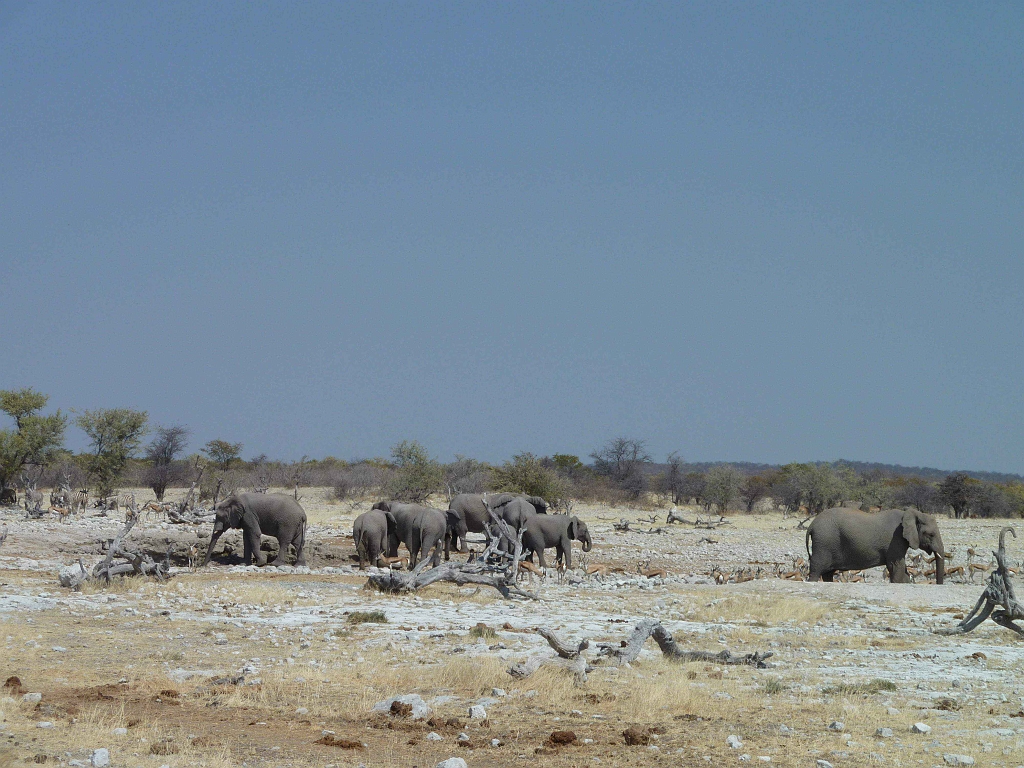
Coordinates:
(767, 232)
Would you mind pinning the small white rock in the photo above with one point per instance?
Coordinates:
(100, 758)
(495, 742)
(884, 733)
(477, 712)
(958, 759)
(920, 728)
(463, 736)
(452, 762)
(836, 725)
(32, 698)
(734, 741)
(45, 724)
(824, 764)
(120, 731)
(498, 693)
(433, 736)
(301, 711)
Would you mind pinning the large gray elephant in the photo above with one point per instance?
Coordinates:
(262, 514)
(370, 533)
(421, 529)
(467, 512)
(558, 531)
(850, 540)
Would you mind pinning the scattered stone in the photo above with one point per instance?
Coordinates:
(562, 737)
(734, 741)
(100, 758)
(419, 709)
(45, 724)
(920, 728)
(120, 731)
(785, 730)
(463, 737)
(764, 758)
(824, 764)
(744, 758)
(434, 736)
(304, 711)
(958, 759)
(495, 742)
(477, 712)
(452, 762)
(498, 693)
(884, 733)
(892, 711)
(835, 725)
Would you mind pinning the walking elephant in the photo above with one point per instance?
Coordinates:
(850, 540)
(467, 512)
(421, 529)
(558, 531)
(370, 533)
(262, 514)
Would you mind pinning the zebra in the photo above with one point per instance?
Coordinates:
(116, 502)
(78, 500)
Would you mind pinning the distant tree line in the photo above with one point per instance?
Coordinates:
(621, 471)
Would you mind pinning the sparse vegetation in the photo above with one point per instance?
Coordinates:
(877, 685)
(367, 617)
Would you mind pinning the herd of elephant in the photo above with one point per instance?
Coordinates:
(424, 530)
(843, 539)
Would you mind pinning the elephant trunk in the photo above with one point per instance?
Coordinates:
(940, 566)
(587, 543)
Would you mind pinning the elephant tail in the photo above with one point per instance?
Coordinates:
(300, 544)
(807, 542)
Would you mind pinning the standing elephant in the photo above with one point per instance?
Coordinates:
(370, 533)
(421, 529)
(467, 512)
(558, 531)
(850, 540)
(262, 514)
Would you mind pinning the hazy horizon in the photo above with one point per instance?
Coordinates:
(780, 233)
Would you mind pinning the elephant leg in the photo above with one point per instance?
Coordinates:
(540, 558)
(252, 546)
(299, 542)
(828, 576)
(565, 554)
(282, 549)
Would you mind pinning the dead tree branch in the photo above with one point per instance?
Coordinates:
(626, 652)
(998, 601)
(3, 538)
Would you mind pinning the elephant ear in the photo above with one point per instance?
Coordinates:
(910, 529)
(392, 523)
(384, 506)
(538, 504)
(573, 526)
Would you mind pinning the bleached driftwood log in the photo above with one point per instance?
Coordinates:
(998, 592)
(497, 567)
(132, 563)
(568, 657)
(571, 657)
(626, 652)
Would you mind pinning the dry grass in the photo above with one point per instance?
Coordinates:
(762, 611)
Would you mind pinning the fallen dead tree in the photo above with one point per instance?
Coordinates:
(623, 526)
(496, 567)
(998, 601)
(708, 523)
(130, 563)
(570, 657)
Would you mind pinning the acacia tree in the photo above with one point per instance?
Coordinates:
(957, 491)
(35, 439)
(222, 453)
(622, 461)
(753, 489)
(115, 434)
(167, 445)
(416, 475)
(722, 483)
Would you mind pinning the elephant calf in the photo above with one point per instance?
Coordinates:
(558, 531)
(370, 533)
(468, 512)
(421, 529)
(849, 540)
(262, 514)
